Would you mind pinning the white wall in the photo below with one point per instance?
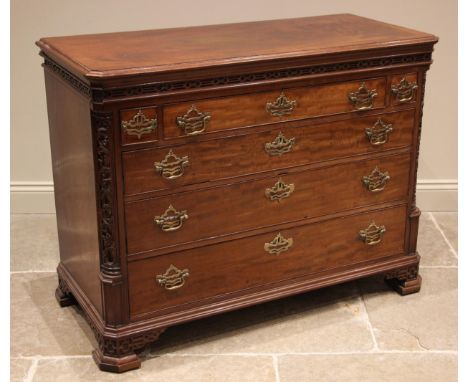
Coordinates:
(31, 173)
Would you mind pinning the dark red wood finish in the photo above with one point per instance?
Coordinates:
(226, 158)
(108, 190)
(316, 193)
(241, 264)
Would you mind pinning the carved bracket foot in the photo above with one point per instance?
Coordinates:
(63, 294)
(405, 287)
(405, 281)
(118, 355)
(115, 364)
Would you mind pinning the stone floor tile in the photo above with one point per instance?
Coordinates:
(407, 367)
(328, 320)
(166, 368)
(448, 222)
(422, 321)
(19, 369)
(34, 242)
(38, 325)
(431, 244)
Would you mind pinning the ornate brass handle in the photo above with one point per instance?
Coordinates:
(376, 181)
(373, 234)
(279, 191)
(173, 278)
(171, 166)
(193, 122)
(404, 91)
(378, 134)
(363, 98)
(139, 125)
(171, 220)
(280, 145)
(281, 106)
(278, 244)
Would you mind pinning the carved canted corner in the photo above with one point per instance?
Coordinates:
(418, 139)
(112, 282)
(102, 123)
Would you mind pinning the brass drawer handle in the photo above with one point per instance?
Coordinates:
(282, 106)
(173, 278)
(378, 134)
(404, 91)
(171, 220)
(171, 166)
(280, 190)
(280, 145)
(139, 125)
(376, 181)
(193, 122)
(363, 98)
(278, 244)
(373, 234)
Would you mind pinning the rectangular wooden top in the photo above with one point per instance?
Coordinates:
(164, 50)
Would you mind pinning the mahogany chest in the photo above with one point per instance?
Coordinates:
(204, 169)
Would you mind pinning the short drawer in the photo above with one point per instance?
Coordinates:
(188, 216)
(158, 169)
(139, 125)
(209, 115)
(192, 275)
(404, 88)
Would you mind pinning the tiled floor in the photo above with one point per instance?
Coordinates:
(360, 331)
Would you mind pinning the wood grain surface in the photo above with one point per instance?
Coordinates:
(241, 264)
(131, 53)
(245, 154)
(243, 206)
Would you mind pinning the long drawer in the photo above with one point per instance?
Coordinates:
(188, 276)
(197, 162)
(209, 115)
(189, 216)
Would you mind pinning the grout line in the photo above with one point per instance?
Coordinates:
(276, 367)
(438, 266)
(368, 321)
(48, 357)
(358, 352)
(443, 235)
(32, 370)
(188, 355)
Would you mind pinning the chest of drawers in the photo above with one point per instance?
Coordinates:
(200, 170)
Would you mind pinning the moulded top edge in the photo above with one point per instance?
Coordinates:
(122, 54)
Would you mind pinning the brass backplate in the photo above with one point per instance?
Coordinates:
(278, 244)
(363, 98)
(172, 166)
(139, 125)
(173, 278)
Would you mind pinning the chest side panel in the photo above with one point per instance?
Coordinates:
(74, 185)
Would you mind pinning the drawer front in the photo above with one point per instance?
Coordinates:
(188, 216)
(159, 169)
(404, 88)
(188, 276)
(209, 115)
(139, 125)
